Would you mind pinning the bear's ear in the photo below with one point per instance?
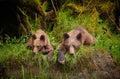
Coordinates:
(42, 38)
(65, 36)
(79, 36)
(33, 37)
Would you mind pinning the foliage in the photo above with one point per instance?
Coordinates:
(66, 20)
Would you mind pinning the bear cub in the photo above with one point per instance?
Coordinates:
(40, 42)
(72, 41)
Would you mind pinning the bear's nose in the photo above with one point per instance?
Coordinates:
(71, 50)
(72, 54)
(35, 52)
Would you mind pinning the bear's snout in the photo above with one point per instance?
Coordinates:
(35, 50)
(72, 51)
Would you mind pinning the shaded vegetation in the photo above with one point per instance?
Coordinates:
(100, 18)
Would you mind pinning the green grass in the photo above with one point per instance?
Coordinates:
(105, 41)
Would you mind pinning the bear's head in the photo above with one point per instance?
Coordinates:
(37, 43)
(72, 42)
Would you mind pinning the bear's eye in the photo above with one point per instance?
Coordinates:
(75, 47)
(30, 47)
(67, 47)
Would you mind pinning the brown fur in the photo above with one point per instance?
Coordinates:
(73, 40)
(40, 42)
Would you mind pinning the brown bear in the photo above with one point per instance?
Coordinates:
(73, 40)
(40, 42)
